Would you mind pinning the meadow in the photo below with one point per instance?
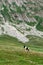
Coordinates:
(13, 53)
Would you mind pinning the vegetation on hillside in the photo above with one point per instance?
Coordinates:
(13, 53)
(40, 23)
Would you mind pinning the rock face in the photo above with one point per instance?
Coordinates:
(12, 31)
(19, 18)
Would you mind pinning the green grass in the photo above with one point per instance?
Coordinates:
(28, 29)
(18, 21)
(23, 8)
(13, 53)
(31, 23)
(40, 21)
(40, 26)
(18, 8)
(35, 43)
(5, 13)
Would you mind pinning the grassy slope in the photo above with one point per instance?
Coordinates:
(40, 21)
(12, 53)
(35, 43)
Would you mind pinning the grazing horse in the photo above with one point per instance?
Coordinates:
(26, 48)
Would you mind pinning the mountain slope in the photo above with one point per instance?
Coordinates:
(21, 23)
(23, 16)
